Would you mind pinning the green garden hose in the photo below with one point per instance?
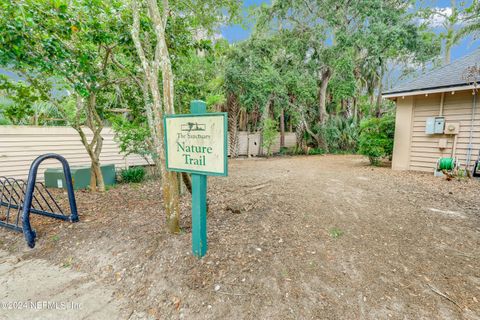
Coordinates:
(446, 163)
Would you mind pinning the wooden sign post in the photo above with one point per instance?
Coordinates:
(197, 143)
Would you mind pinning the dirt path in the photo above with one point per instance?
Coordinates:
(36, 289)
(323, 237)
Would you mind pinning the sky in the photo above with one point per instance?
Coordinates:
(236, 33)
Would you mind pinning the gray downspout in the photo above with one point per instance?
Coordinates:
(470, 146)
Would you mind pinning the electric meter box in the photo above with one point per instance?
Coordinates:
(435, 125)
(54, 177)
(452, 128)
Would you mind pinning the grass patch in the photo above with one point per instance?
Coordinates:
(133, 174)
(67, 263)
(335, 233)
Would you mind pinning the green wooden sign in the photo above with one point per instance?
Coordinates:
(197, 143)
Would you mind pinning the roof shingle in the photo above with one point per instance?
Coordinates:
(450, 75)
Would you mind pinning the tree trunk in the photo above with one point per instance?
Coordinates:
(172, 196)
(355, 109)
(282, 128)
(318, 139)
(299, 134)
(233, 114)
(371, 100)
(448, 55)
(96, 172)
(96, 178)
(254, 120)
(322, 96)
(378, 109)
(187, 182)
(265, 116)
(151, 69)
(94, 147)
(243, 120)
(449, 40)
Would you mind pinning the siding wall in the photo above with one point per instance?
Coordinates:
(403, 134)
(20, 145)
(424, 151)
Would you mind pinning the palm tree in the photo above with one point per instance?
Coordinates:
(45, 113)
(472, 23)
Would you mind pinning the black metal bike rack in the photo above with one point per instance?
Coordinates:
(476, 169)
(18, 198)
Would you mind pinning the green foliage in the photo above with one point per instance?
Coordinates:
(297, 46)
(335, 233)
(21, 97)
(133, 137)
(64, 48)
(24, 104)
(343, 84)
(84, 48)
(59, 38)
(286, 151)
(259, 73)
(4, 104)
(201, 76)
(315, 151)
(471, 21)
(292, 151)
(133, 174)
(461, 173)
(4, 122)
(340, 134)
(269, 134)
(376, 138)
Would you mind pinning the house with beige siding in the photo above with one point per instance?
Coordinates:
(438, 116)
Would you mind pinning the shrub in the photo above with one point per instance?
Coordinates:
(286, 151)
(376, 138)
(338, 134)
(133, 174)
(269, 135)
(132, 137)
(341, 134)
(315, 151)
(290, 151)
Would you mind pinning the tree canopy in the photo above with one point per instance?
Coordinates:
(317, 68)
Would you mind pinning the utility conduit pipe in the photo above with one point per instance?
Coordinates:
(470, 146)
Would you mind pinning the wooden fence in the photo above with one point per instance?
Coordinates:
(251, 143)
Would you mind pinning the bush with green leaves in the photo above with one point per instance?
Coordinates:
(315, 151)
(341, 134)
(376, 138)
(133, 174)
(132, 137)
(3, 120)
(269, 135)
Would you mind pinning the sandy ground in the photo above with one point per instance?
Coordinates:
(319, 237)
(36, 289)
